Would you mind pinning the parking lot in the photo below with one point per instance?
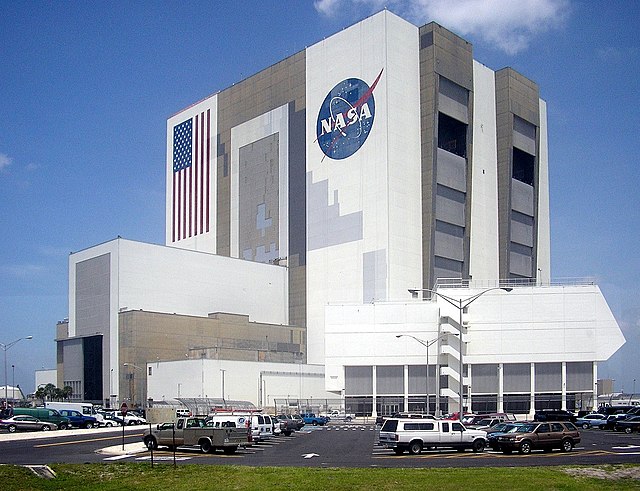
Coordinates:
(335, 445)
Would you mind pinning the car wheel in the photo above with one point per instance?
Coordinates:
(567, 445)
(63, 426)
(628, 430)
(150, 442)
(315, 423)
(12, 428)
(88, 426)
(46, 428)
(585, 426)
(525, 447)
(348, 419)
(415, 448)
(108, 424)
(205, 446)
(287, 433)
(478, 446)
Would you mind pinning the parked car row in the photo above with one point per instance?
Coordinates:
(625, 419)
(50, 418)
(261, 426)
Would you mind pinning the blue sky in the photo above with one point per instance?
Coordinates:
(86, 89)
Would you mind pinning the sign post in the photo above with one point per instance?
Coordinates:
(123, 411)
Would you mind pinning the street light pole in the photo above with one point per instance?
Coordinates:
(460, 304)
(426, 344)
(222, 372)
(5, 347)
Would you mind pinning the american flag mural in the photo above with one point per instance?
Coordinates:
(191, 176)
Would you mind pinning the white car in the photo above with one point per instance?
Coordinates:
(133, 419)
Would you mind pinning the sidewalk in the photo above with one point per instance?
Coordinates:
(129, 449)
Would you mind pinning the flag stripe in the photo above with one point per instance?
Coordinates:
(173, 210)
(208, 163)
(201, 173)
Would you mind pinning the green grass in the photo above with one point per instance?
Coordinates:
(120, 477)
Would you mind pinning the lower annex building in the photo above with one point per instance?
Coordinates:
(304, 202)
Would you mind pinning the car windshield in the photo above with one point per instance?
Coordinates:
(510, 428)
(484, 422)
(524, 428)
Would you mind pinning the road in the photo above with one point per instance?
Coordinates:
(336, 445)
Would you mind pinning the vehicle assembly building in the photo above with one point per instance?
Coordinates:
(302, 206)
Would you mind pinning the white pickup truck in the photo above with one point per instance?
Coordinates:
(196, 432)
(340, 415)
(416, 435)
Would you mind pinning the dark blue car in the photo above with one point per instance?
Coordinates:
(78, 420)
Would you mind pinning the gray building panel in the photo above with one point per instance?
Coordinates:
(452, 171)
(446, 82)
(358, 381)
(259, 217)
(390, 379)
(580, 376)
(516, 377)
(522, 229)
(450, 206)
(484, 378)
(520, 264)
(375, 273)
(517, 119)
(548, 377)
(522, 198)
(449, 246)
(93, 295)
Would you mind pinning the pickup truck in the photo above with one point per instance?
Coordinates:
(341, 415)
(416, 435)
(195, 432)
(312, 419)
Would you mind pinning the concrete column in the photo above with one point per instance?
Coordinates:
(406, 387)
(564, 385)
(532, 409)
(374, 411)
(500, 388)
(595, 386)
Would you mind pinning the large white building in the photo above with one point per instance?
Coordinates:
(314, 194)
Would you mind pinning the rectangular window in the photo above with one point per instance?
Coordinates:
(452, 135)
(523, 166)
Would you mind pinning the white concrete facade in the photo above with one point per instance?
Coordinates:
(529, 325)
(157, 278)
(257, 382)
(379, 185)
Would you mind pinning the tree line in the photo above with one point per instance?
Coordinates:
(50, 392)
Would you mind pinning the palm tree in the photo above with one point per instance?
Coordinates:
(40, 394)
(49, 391)
(67, 392)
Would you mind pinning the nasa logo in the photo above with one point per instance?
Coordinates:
(346, 117)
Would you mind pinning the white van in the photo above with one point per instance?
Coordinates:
(261, 425)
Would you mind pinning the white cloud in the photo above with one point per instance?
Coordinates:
(508, 25)
(5, 161)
